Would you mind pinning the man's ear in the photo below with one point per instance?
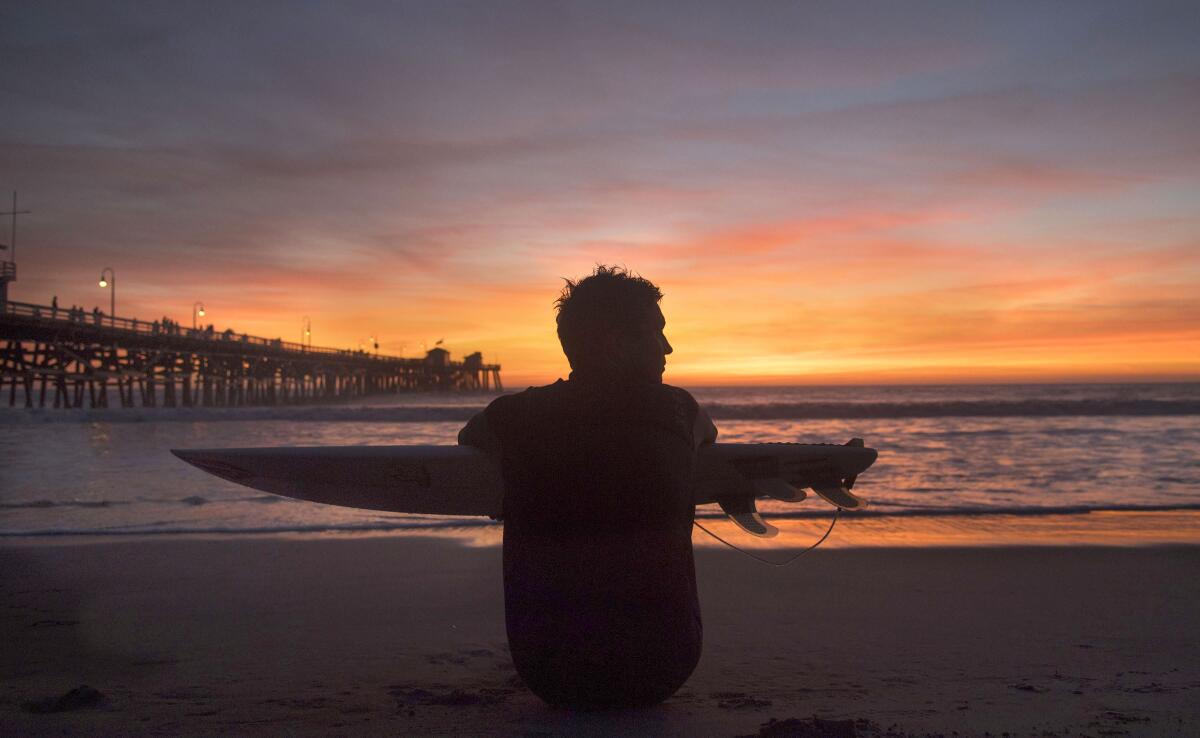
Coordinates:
(612, 343)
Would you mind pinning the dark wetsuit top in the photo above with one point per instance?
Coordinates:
(599, 580)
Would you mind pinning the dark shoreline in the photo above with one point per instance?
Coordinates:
(1115, 526)
(257, 636)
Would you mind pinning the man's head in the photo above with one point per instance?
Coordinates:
(610, 325)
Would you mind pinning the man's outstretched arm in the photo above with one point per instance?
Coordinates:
(478, 434)
(704, 431)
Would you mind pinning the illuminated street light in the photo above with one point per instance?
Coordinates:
(306, 336)
(111, 283)
(197, 309)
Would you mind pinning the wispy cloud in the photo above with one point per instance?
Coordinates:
(818, 190)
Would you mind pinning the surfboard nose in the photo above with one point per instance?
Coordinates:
(202, 460)
(185, 455)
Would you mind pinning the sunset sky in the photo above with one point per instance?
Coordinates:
(824, 192)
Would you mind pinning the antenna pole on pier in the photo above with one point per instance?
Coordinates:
(12, 238)
(8, 266)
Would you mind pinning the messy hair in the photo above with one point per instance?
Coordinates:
(609, 299)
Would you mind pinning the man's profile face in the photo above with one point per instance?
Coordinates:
(643, 352)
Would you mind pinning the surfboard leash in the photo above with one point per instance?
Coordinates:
(837, 513)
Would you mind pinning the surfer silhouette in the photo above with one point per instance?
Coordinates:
(600, 597)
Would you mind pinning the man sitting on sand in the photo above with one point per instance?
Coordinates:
(599, 581)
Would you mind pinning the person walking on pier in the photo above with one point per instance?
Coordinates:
(600, 593)
(54, 307)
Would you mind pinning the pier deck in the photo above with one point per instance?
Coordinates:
(72, 358)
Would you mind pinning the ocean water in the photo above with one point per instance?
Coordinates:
(987, 457)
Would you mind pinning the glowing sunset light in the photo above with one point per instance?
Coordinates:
(901, 195)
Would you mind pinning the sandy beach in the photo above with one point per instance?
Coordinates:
(403, 635)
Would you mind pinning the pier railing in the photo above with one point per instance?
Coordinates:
(134, 326)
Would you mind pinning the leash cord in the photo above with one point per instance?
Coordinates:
(768, 561)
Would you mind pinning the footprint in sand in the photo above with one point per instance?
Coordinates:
(738, 701)
(408, 696)
(461, 658)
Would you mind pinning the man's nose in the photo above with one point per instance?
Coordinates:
(667, 346)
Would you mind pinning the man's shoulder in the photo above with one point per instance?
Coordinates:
(679, 394)
(684, 407)
(562, 391)
(508, 403)
(679, 391)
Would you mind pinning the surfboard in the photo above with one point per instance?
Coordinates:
(459, 480)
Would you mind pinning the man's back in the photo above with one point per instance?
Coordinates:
(600, 591)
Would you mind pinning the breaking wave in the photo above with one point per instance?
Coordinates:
(190, 501)
(720, 411)
(43, 504)
(953, 409)
(370, 527)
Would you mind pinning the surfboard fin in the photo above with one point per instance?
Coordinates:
(778, 489)
(838, 494)
(741, 510)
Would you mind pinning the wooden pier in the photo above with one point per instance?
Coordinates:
(74, 359)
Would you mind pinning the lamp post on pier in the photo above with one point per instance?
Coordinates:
(306, 336)
(197, 309)
(111, 283)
